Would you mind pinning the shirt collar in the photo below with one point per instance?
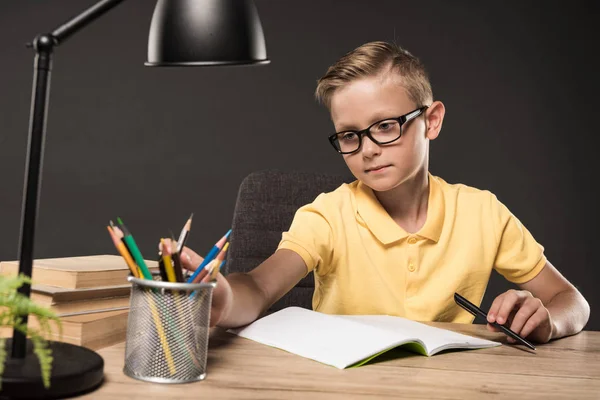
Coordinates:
(385, 229)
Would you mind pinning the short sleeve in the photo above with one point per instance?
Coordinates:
(519, 257)
(310, 235)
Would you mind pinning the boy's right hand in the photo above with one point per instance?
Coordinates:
(254, 291)
(222, 297)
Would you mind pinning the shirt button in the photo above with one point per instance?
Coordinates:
(412, 240)
(411, 267)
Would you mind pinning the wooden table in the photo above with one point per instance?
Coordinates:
(239, 368)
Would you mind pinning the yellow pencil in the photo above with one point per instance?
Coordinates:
(215, 271)
(179, 318)
(155, 314)
(168, 262)
(163, 338)
(122, 249)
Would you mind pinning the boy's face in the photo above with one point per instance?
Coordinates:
(368, 100)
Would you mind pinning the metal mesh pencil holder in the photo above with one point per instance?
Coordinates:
(167, 331)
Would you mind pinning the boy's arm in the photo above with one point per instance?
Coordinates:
(254, 292)
(240, 298)
(548, 307)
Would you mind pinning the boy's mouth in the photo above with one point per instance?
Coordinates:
(377, 168)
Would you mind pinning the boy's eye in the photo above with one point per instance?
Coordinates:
(386, 125)
(348, 136)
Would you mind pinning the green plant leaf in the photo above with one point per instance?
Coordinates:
(14, 307)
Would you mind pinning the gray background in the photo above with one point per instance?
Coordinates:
(519, 80)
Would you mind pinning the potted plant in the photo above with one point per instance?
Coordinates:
(13, 307)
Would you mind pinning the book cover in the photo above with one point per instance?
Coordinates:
(77, 272)
(93, 331)
(89, 305)
(52, 295)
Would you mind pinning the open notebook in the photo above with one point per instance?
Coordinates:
(351, 340)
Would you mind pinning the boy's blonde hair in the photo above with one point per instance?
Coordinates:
(372, 59)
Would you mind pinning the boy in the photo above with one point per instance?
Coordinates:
(400, 241)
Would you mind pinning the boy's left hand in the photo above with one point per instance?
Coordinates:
(526, 316)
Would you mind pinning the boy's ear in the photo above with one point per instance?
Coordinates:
(434, 116)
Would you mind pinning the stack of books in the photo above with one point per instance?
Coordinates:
(89, 293)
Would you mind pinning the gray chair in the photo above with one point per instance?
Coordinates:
(265, 207)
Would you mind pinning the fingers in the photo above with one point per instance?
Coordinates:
(167, 242)
(164, 247)
(529, 307)
(190, 260)
(503, 305)
(522, 313)
(509, 301)
(494, 308)
(187, 255)
(540, 319)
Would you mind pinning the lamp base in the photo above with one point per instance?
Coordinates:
(75, 370)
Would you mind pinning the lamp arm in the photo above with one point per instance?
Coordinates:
(70, 27)
(44, 47)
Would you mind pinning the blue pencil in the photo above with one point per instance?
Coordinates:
(209, 257)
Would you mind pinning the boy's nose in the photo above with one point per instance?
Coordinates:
(369, 148)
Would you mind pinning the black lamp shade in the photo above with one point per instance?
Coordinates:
(205, 32)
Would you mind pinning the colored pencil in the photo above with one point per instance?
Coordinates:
(211, 254)
(168, 262)
(209, 267)
(120, 236)
(185, 232)
(217, 264)
(215, 271)
(183, 235)
(124, 252)
(162, 336)
(135, 251)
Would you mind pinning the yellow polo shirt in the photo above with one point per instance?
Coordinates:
(365, 263)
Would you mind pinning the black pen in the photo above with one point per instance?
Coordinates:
(473, 309)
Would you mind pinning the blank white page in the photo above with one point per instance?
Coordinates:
(330, 339)
(435, 339)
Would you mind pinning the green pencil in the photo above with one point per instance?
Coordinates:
(135, 251)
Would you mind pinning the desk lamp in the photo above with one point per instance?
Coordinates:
(182, 33)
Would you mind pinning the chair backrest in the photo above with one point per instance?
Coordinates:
(265, 207)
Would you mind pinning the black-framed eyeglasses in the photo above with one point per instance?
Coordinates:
(380, 132)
